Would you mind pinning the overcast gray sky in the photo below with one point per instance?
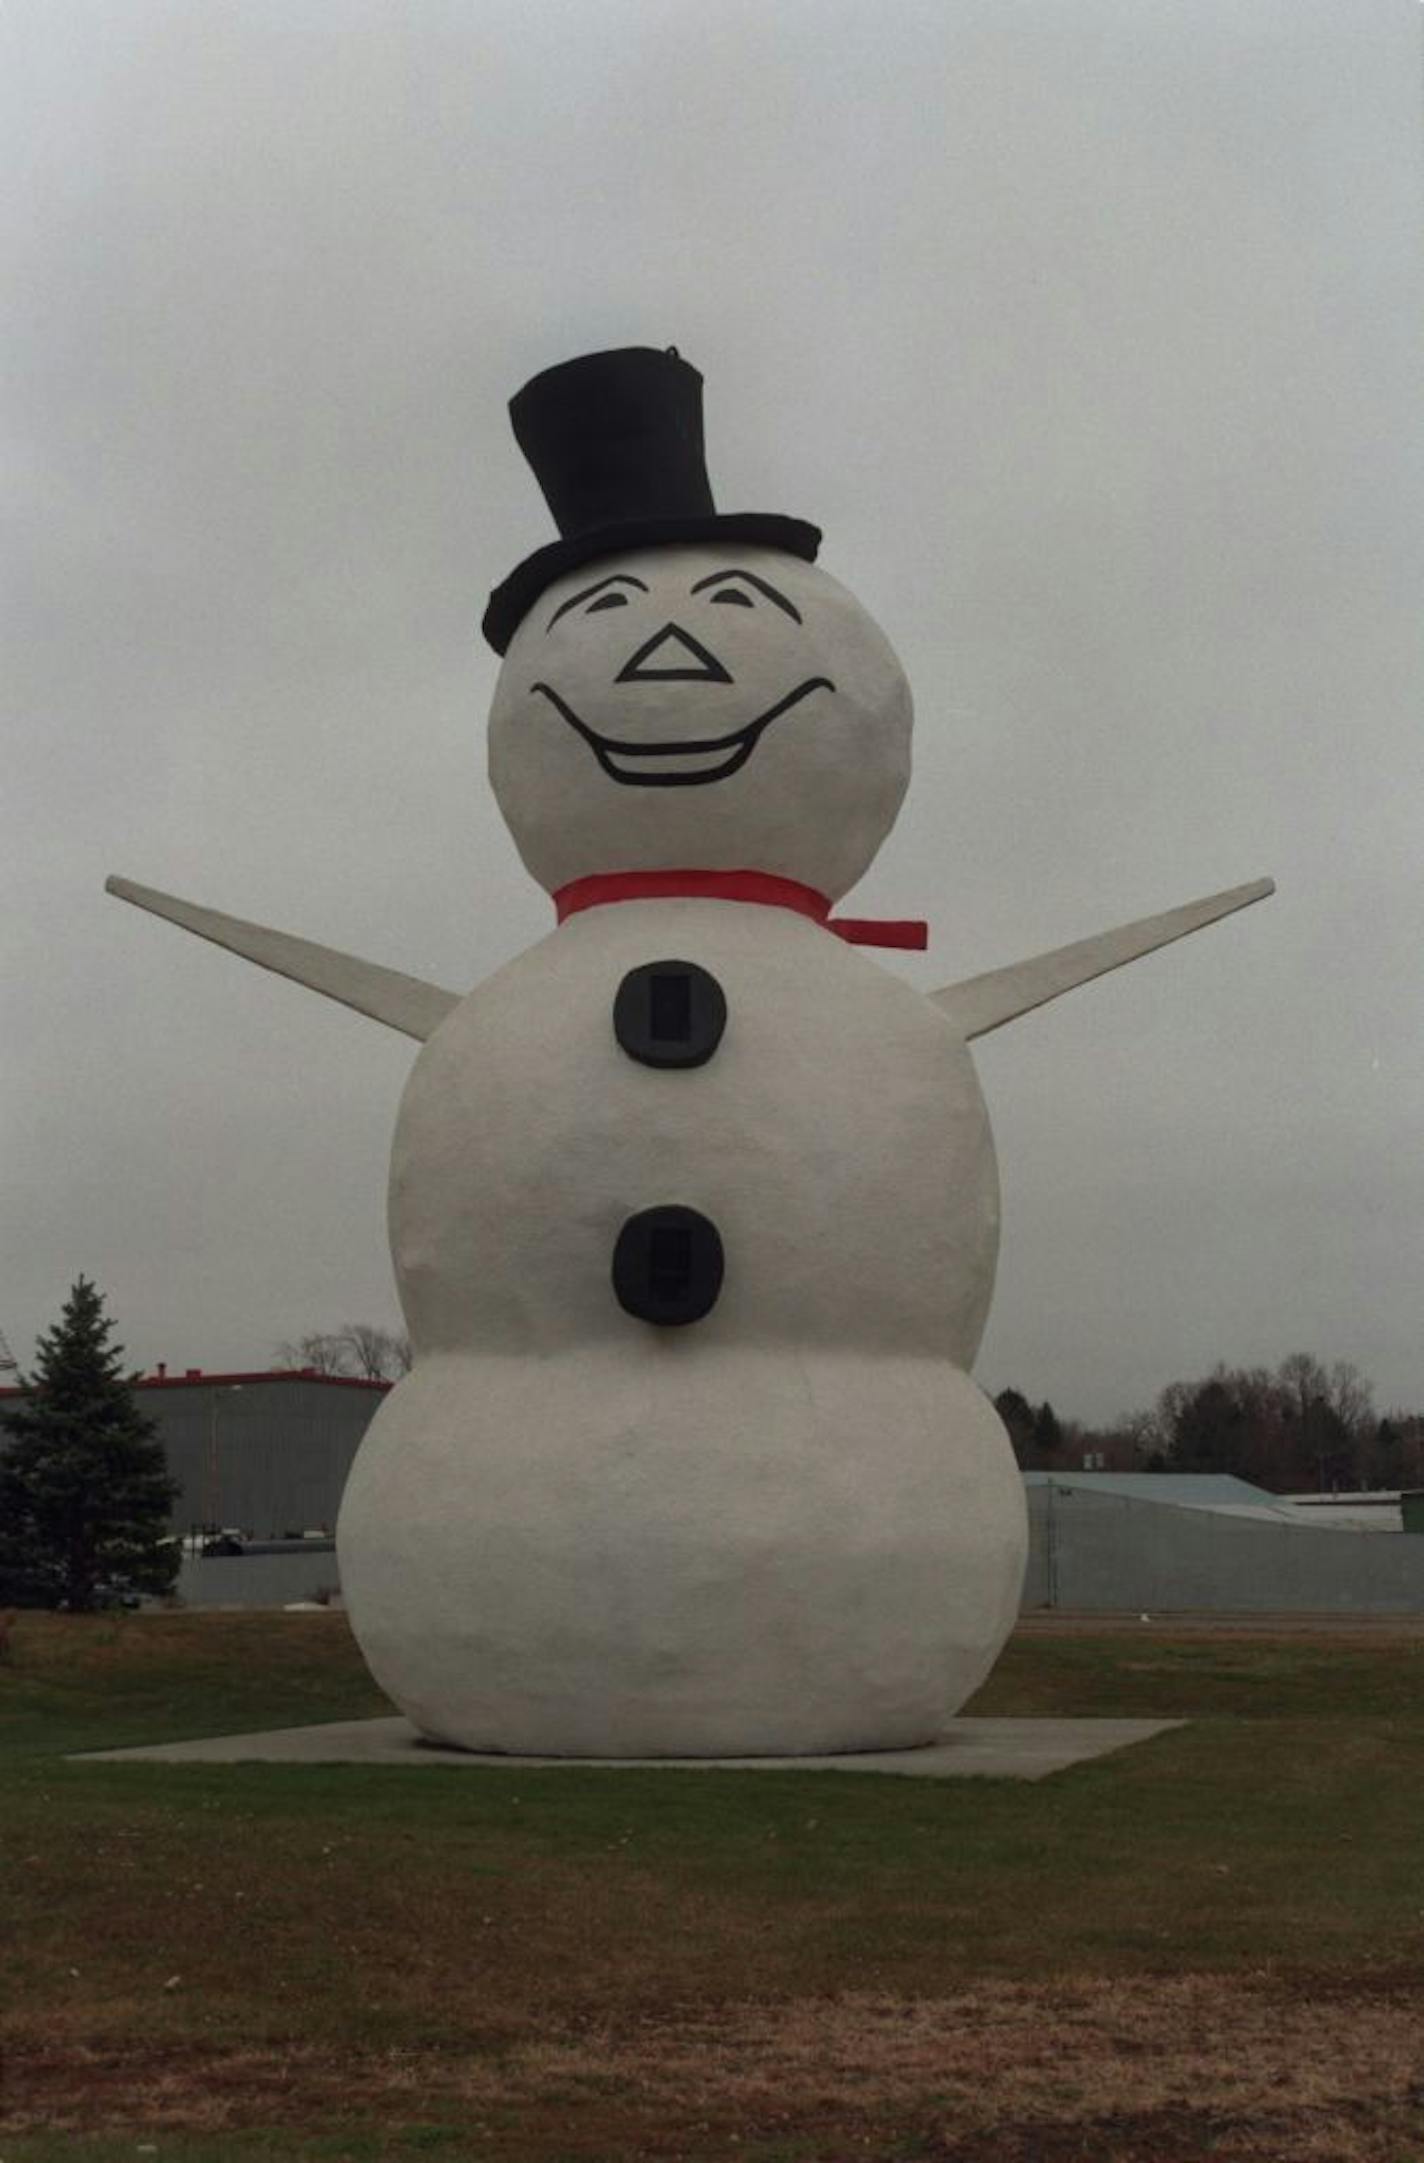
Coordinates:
(1087, 331)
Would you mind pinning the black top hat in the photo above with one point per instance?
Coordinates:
(615, 441)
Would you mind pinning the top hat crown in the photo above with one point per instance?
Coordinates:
(615, 442)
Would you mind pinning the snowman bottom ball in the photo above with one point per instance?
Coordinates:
(819, 1552)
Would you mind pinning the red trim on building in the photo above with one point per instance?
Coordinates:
(197, 1379)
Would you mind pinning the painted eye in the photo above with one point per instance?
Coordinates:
(733, 594)
(606, 600)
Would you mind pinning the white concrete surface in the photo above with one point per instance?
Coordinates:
(977, 1749)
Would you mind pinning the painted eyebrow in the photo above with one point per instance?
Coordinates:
(614, 578)
(752, 580)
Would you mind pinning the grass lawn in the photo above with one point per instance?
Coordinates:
(1209, 1946)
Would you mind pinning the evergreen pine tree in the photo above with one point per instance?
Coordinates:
(84, 1486)
(1017, 1415)
(1047, 1433)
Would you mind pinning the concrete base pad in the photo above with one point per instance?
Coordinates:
(986, 1749)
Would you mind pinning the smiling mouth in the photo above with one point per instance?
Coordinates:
(680, 765)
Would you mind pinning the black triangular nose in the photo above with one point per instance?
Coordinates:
(672, 655)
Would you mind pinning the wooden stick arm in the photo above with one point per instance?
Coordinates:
(401, 1002)
(982, 1003)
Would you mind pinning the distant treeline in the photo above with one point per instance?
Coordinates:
(1304, 1427)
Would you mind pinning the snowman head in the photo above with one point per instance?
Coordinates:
(682, 690)
(718, 705)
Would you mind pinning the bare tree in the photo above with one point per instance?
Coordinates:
(319, 1352)
(1333, 1415)
(378, 1355)
(360, 1350)
(1303, 1425)
(1352, 1397)
(1342, 1387)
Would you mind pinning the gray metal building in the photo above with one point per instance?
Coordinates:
(266, 1453)
(1163, 1544)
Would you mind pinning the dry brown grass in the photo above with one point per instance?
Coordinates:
(1327, 1630)
(1160, 2070)
(1210, 1947)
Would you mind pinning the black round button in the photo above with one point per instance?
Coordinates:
(667, 1265)
(669, 1014)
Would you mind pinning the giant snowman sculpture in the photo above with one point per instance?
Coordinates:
(693, 1208)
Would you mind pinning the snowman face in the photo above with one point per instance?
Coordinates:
(700, 708)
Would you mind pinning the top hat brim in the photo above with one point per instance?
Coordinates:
(511, 601)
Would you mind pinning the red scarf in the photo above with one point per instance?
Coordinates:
(759, 886)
